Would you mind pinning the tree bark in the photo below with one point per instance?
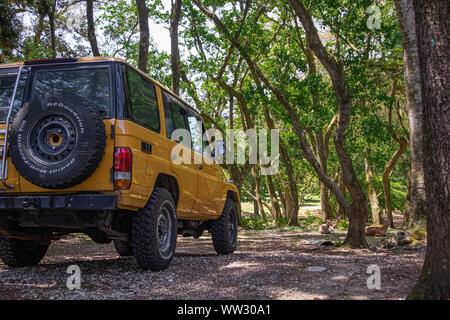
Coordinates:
(433, 39)
(144, 35)
(51, 21)
(417, 206)
(174, 49)
(276, 211)
(91, 28)
(372, 193)
(386, 178)
(258, 193)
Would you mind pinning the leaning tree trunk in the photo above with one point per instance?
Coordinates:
(258, 193)
(417, 204)
(144, 35)
(174, 50)
(357, 211)
(433, 39)
(371, 191)
(386, 178)
(276, 211)
(51, 22)
(91, 28)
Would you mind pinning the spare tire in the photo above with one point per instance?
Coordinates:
(57, 140)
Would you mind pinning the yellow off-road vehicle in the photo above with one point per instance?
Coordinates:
(85, 146)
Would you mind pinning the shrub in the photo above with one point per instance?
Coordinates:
(254, 223)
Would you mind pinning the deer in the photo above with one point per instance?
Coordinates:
(378, 231)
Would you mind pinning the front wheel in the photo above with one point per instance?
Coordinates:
(224, 230)
(154, 231)
(21, 253)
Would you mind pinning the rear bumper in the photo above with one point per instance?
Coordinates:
(67, 202)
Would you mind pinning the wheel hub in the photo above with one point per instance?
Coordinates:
(52, 139)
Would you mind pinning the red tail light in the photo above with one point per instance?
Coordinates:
(122, 168)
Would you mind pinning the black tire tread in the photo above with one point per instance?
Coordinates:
(143, 243)
(219, 230)
(14, 254)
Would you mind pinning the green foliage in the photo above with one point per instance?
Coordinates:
(282, 221)
(254, 222)
(310, 220)
(343, 224)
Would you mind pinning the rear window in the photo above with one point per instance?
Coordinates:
(143, 104)
(93, 84)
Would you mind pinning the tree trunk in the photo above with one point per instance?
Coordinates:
(417, 208)
(258, 194)
(407, 212)
(91, 28)
(358, 207)
(372, 193)
(294, 203)
(341, 210)
(433, 39)
(51, 21)
(174, 50)
(144, 35)
(281, 197)
(322, 152)
(276, 211)
(321, 141)
(386, 178)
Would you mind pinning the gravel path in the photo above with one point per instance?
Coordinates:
(267, 265)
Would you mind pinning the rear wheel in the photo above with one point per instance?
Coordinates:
(21, 253)
(154, 231)
(224, 230)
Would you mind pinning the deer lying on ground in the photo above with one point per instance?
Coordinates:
(326, 228)
(378, 231)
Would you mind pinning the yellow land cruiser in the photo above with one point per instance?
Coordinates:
(85, 146)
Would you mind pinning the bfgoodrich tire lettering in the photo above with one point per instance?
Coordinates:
(154, 231)
(224, 230)
(57, 140)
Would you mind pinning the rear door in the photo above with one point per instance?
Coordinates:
(92, 81)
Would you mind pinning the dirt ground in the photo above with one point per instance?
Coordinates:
(271, 264)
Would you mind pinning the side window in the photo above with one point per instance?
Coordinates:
(176, 114)
(143, 101)
(196, 128)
